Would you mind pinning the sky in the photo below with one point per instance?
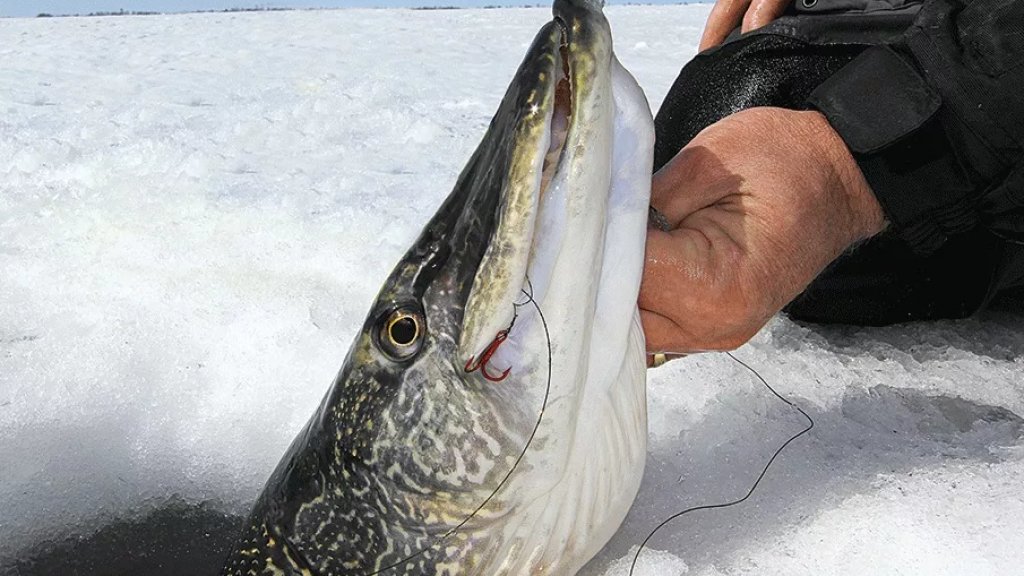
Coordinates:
(30, 8)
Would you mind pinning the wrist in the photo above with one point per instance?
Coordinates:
(866, 215)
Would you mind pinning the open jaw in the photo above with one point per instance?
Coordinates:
(526, 237)
(558, 120)
(569, 235)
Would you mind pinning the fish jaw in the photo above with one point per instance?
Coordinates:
(577, 481)
(582, 270)
(580, 169)
(570, 239)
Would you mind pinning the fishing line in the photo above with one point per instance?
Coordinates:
(543, 407)
(753, 487)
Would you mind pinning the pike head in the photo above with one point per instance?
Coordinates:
(490, 416)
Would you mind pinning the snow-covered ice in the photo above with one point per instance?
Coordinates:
(196, 211)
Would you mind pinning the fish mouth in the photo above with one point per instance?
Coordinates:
(543, 109)
(499, 234)
(561, 114)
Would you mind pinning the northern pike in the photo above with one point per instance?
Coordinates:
(490, 416)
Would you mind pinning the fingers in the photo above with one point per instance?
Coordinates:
(761, 12)
(674, 292)
(661, 333)
(747, 14)
(674, 273)
(691, 297)
(724, 17)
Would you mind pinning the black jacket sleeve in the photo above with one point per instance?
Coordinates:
(936, 121)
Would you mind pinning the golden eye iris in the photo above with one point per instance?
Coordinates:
(401, 333)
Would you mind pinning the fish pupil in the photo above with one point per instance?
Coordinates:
(403, 331)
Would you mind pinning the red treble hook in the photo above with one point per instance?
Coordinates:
(481, 364)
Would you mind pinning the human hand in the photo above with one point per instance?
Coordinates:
(728, 14)
(757, 205)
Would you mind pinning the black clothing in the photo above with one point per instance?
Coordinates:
(930, 99)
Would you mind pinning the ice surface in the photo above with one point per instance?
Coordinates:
(653, 563)
(196, 211)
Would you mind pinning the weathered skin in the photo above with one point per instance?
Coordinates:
(412, 465)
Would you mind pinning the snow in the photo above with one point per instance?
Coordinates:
(197, 210)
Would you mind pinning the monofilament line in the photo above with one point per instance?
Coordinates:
(753, 487)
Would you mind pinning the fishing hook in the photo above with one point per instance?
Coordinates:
(481, 364)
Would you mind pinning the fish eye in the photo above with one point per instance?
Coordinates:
(401, 333)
